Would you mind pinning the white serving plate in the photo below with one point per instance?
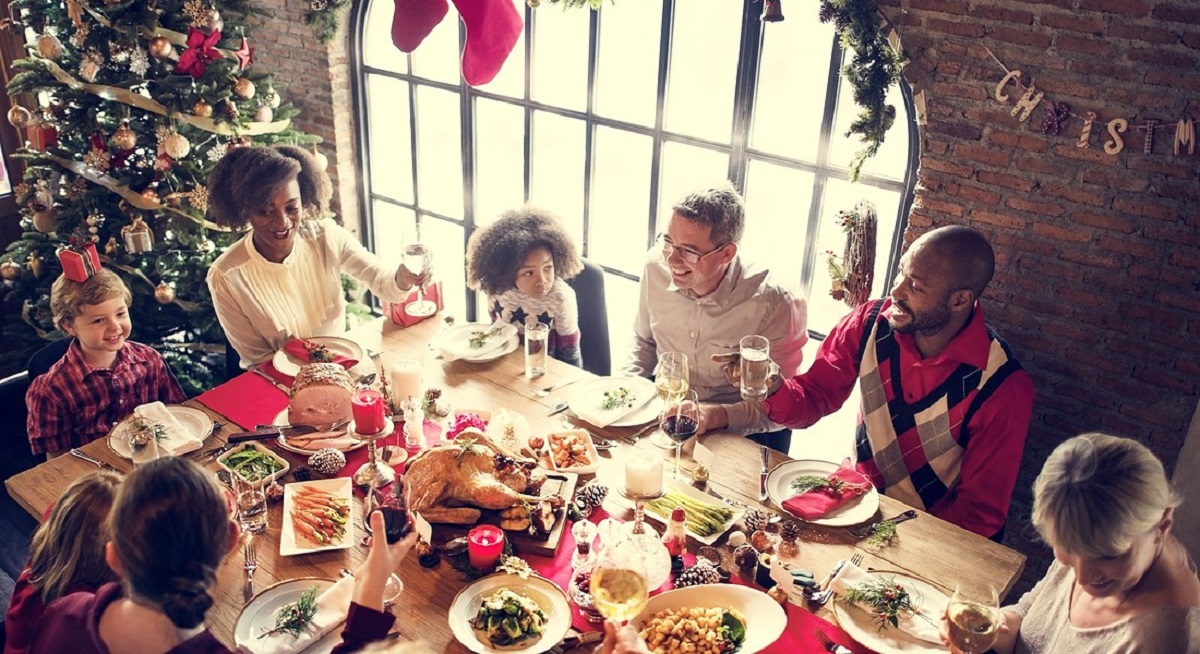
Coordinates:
(290, 365)
(589, 394)
(260, 612)
(592, 454)
(550, 599)
(858, 624)
(765, 618)
(856, 511)
(461, 334)
(251, 445)
(690, 491)
(290, 543)
(194, 420)
(281, 418)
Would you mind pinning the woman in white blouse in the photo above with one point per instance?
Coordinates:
(282, 280)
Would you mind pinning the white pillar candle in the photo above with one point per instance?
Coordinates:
(643, 476)
(406, 380)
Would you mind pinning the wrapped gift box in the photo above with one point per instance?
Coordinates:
(395, 310)
(79, 263)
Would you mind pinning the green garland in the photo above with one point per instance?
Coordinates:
(323, 16)
(874, 68)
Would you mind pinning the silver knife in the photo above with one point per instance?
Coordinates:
(274, 382)
(765, 456)
(562, 406)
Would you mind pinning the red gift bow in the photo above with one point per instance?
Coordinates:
(201, 51)
(821, 501)
(299, 348)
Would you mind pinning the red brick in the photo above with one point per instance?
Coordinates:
(998, 219)
(1030, 143)
(1192, 39)
(949, 68)
(1021, 36)
(1049, 166)
(1109, 365)
(1059, 233)
(1148, 414)
(1178, 190)
(1173, 79)
(1152, 313)
(1144, 206)
(1184, 300)
(944, 166)
(1073, 22)
(955, 28)
(1110, 70)
(1005, 180)
(1186, 260)
(1161, 56)
(1164, 379)
(1093, 154)
(1121, 30)
(1040, 305)
(1116, 180)
(977, 195)
(934, 204)
(964, 131)
(1073, 193)
(1084, 45)
(1188, 367)
(1161, 166)
(982, 154)
(1090, 259)
(1178, 13)
(1018, 16)
(942, 6)
(1127, 7)
(1043, 208)
(1127, 389)
(956, 90)
(1099, 221)
(918, 219)
(1135, 248)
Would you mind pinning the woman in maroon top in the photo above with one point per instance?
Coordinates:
(170, 528)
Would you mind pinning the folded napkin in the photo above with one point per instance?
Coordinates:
(454, 349)
(588, 407)
(332, 607)
(179, 440)
(922, 625)
(819, 502)
(301, 349)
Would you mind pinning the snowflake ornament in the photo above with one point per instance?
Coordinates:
(139, 62)
(216, 152)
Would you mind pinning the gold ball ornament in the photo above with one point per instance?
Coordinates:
(111, 247)
(124, 138)
(151, 195)
(202, 109)
(176, 145)
(163, 293)
(34, 262)
(244, 88)
(322, 160)
(19, 116)
(9, 270)
(264, 114)
(159, 47)
(49, 46)
(213, 21)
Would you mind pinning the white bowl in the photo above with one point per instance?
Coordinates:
(765, 618)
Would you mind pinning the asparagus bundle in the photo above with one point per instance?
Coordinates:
(703, 519)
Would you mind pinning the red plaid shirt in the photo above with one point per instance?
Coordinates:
(74, 404)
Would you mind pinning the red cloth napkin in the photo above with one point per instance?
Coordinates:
(247, 400)
(820, 501)
(299, 348)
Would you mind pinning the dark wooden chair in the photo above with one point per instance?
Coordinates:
(593, 319)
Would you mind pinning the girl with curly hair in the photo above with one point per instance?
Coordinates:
(520, 261)
(283, 279)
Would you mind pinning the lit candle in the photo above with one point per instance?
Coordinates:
(484, 544)
(368, 408)
(643, 476)
(406, 380)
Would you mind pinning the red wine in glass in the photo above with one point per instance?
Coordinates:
(395, 521)
(680, 428)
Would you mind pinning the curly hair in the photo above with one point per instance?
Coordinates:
(248, 177)
(495, 252)
(720, 207)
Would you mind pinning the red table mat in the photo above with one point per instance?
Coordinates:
(247, 400)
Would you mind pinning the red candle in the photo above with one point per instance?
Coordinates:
(368, 408)
(484, 544)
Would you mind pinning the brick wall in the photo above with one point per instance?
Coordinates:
(1098, 280)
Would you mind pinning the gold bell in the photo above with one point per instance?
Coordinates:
(772, 11)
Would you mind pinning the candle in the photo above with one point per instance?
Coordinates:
(368, 408)
(484, 544)
(643, 476)
(406, 380)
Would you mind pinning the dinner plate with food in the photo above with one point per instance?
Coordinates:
(177, 429)
(504, 613)
(616, 401)
(254, 463)
(781, 486)
(927, 604)
(318, 439)
(565, 450)
(264, 614)
(744, 617)
(317, 516)
(325, 348)
(478, 342)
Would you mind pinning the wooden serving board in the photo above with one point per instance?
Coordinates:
(560, 484)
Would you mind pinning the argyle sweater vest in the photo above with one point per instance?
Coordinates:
(913, 451)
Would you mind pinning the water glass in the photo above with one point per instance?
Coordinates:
(143, 448)
(755, 352)
(251, 505)
(536, 342)
(414, 424)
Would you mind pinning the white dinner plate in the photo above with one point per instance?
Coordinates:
(765, 618)
(856, 511)
(460, 334)
(290, 365)
(260, 612)
(588, 396)
(281, 418)
(550, 599)
(858, 623)
(194, 420)
(692, 492)
(290, 542)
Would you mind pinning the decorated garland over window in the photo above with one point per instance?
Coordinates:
(324, 18)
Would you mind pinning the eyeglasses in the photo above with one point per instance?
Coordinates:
(689, 255)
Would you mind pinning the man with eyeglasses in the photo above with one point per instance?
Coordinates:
(945, 406)
(698, 297)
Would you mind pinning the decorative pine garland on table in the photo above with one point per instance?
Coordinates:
(873, 69)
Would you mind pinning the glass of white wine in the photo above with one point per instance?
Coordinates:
(974, 624)
(618, 584)
(671, 382)
(418, 257)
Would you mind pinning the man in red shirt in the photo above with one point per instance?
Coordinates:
(945, 406)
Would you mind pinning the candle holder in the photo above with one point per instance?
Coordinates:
(639, 507)
(374, 471)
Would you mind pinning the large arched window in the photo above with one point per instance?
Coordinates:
(607, 117)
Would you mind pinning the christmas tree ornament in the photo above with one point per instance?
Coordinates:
(745, 556)
(202, 109)
(75, 12)
(139, 63)
(111, 247)
(19, 116)
(162, 163)
(198, 198)
(97, 158)
(9, 270)
(137, 236)
(89, 67)
(159, 47)
(772, 11)
(322, 160)
(45, 215)
(244, 54)
(176, 145)
(150, 195)
(264, 114)
(244, 88)
(756, 520)
(201, 51)
(207, 247)
(230, 110)
(164, 294)
(81, 33)
(34, 263)
(272, 97)
(196, 12)
(124, 138)
(49, 46)
(213, 21)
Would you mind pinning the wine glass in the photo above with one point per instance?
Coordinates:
(680, 421)
(618, 584)
(671, 382)
(418, 257)
(974, 624)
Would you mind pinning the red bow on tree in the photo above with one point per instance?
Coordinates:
(201, 51)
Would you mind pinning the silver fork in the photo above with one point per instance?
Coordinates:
(857, 559)
(78, 453)
(828, 643)
(250, 564)
(823, 596)
(545, 392)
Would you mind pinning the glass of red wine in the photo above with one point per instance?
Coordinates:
(395, 520)
(680, 421)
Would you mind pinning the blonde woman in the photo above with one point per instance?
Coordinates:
(67, 555)
(1120, 582)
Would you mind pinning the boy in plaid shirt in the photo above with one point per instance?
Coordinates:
(102, 377)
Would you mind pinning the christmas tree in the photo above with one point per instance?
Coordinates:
(126, 106)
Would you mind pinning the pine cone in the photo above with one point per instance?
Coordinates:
(789, 531)
(745, 556)
(757, 520)
(697, 575)
(327, 461)
(301, 473)
(231, 110)
(591, 496)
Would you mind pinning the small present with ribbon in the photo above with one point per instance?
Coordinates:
(395, 310)
(79, 263)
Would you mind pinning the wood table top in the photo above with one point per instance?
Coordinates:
(928, 547)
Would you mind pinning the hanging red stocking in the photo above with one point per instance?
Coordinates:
(414, 20)
(493, 29)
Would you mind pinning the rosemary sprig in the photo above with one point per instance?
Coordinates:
(886, 600)
(882, 534)
(144, 430)
(295, 617)
(478, 338)
(616, 398)
(318, 353)
(805, 483)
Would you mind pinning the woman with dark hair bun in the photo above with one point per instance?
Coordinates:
(283, 279)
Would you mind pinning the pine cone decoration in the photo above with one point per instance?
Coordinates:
(789, 531)
(745, 556)
(697, 575)
(301, 473)
(591, 496)
(231, 110)
(756, 520)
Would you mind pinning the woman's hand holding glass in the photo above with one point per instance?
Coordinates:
(972, 626)
(371, 578)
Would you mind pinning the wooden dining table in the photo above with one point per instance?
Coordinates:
(929, 548)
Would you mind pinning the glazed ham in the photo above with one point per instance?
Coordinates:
(320, 395)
